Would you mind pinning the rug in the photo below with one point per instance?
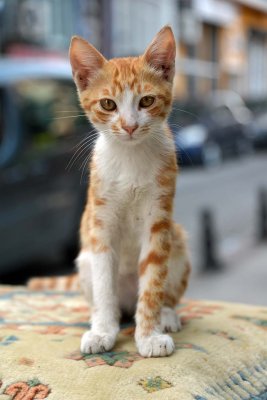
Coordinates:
(221, 353)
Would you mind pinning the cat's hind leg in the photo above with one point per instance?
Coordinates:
(177, 280)
(169, 320)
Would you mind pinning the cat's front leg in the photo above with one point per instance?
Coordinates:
(153, 270)
(105, 310)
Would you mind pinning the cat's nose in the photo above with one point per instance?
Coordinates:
(129, 128)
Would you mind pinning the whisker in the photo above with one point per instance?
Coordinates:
(160, 139)
(175, 125)
(78, 147)
(185, 111)
(88, 135)
(186, 153)
(70, 116)
(71, 111)
(84, 145)
(85, 162)
(80, 151)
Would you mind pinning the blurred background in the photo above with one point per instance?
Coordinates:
(219, 123)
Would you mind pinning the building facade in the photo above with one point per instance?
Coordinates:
(41, 26)
(222, 45)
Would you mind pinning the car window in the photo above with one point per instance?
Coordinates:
(222, 115)
(49, 107)
(39, 118)
(43, 125)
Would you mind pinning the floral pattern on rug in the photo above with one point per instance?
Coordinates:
(33, 389)
(196, 310)
(262, 323)
(222, 334)
(190, 346)
(7, 340)
(151, 385)
(26, 361)
(121, 359)
(43, 312)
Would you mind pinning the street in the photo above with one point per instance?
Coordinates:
(230, 191)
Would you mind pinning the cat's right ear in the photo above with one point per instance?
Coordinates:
(85, 61)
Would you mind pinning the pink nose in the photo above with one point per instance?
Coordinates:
(129, 129)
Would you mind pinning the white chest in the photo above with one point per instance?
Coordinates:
(128, 178)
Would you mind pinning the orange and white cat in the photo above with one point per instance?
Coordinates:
(133, 256)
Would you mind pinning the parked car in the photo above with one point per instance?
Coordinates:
(213, 131)
(40, 200)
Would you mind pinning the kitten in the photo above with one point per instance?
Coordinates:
(133, 257)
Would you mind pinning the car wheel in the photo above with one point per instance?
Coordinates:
(211, 154)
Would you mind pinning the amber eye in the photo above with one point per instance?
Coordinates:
(108, 104)
(146, 101)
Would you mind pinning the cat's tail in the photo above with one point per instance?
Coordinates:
(60, 283)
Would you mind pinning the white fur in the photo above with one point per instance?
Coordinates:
(93, 342)
(156, 345)
(169, 320)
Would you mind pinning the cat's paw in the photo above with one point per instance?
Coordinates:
(155, 346)
(93, 343)
(169, 320)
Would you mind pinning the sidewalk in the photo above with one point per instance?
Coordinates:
(244, 281)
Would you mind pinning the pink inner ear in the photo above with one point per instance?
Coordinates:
(85, 61)
(161, 53)
(82, 77)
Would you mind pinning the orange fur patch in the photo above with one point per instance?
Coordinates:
(88, 105)
(170, 300)
(152, 258)
(100, 201)
(166, 203)
(161, 225)
(97, 246)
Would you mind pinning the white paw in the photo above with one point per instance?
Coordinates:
(155, 346)
(169, 320)
(97, 342)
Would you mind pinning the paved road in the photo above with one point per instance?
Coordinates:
(231, 191)
(243, 281)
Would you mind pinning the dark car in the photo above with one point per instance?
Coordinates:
(40, 198)
(209, 132)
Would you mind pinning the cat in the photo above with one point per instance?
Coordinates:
(133, 256)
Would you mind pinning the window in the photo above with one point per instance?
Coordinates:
(48, 107)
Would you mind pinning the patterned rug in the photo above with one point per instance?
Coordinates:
(221, 353)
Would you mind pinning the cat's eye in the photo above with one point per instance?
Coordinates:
(146, 101)
(108, 104)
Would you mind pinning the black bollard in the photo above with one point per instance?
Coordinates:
(262, 214)
(208, 240)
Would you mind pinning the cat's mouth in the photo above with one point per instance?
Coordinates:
(134, 138)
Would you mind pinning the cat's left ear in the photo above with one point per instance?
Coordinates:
(160, 54)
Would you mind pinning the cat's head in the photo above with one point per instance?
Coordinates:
(127, 98)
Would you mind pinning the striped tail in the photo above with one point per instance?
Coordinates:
(61, 283)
